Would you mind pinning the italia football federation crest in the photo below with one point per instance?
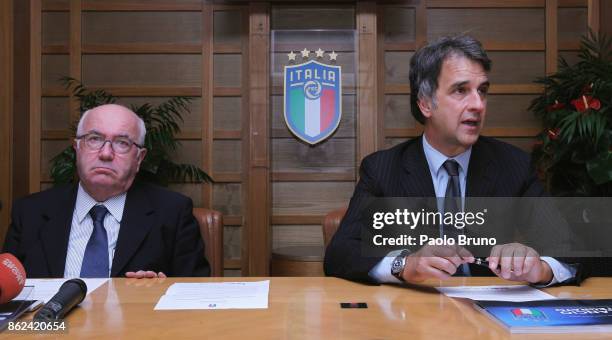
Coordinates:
(313, 97)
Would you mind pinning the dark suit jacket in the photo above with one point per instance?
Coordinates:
(496, 169)
(158, 232)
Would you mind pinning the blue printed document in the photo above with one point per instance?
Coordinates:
(551, 316)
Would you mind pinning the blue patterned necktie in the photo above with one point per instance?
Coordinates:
(95, 260)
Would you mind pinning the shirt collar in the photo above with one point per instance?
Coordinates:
(435, 158)
(85, 202)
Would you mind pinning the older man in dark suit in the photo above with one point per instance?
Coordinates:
(107, 224)
(449, 84)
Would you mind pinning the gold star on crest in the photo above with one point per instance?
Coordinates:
(291, 56)
(305, 53)
(320, 53)
(333, 56)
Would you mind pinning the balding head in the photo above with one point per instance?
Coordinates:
(108, 148)
(118, 110)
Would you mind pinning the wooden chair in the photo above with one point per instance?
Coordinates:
(330, 224)
(211, 228)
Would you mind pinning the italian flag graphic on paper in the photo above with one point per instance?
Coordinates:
(313, 107)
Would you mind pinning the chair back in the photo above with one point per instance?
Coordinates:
(211, 229)
(331, 222)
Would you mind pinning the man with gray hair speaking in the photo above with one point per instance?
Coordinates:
(107, 225)
(449, 85)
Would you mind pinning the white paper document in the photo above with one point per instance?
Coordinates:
(216, 295)
(44, 289)
(510, 293)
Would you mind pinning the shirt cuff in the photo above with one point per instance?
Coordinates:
(381, 272)
(561, 271)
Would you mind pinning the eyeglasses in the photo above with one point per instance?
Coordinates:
(95, 142)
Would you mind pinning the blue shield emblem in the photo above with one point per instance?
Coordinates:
(313, 100)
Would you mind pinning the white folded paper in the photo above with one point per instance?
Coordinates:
(216, 295)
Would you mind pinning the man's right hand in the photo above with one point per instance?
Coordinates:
(435, 262)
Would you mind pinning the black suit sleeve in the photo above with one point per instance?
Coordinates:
(343, 256)
(188, 258)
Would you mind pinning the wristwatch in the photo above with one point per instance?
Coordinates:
(398, 264)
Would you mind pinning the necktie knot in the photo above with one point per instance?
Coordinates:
(97, 213)
(452, 167)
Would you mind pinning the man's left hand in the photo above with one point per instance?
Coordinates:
(142, 274)
(518, 262)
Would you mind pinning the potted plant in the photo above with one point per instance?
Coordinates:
(161, 122)
(573, 153)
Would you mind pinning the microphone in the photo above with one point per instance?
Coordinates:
(70, 294)
(12, 277)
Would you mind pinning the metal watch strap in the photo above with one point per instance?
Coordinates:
(398, 264)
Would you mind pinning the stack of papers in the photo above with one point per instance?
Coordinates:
(217, 295)
(514, 293)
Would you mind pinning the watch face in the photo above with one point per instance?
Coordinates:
(396, 266)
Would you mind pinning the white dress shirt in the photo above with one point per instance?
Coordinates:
(82, 227)
(382, 271)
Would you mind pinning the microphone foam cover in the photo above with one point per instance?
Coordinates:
(12, 277)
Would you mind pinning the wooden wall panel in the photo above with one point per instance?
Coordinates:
(6, 112)
(192, 121)
(299, 198)
(570, 56)
(142, 27)
(572, 25)
(232, 242)
(517, 67)
(227, 70)
(399, 24)
(347, 123)
(136, 69)
(55, 28)
(397, 112)
(54, 67)
(397, 67)
(227, 156)
(191, 190)
(489, 24)
(227, 27)
(227, 113)
(333, 155)
(321, 17)
(55, 113)
(190, 152)
(510, 111)
(296, 235)
(339, 41)
(227, 198)
(164, 5)
(49, 148)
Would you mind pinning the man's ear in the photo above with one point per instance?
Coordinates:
(141, 155)
(425, 106)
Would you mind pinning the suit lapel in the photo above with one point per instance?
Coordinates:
(138, 219)
(55, 232)
(418, 182)
(481, 177)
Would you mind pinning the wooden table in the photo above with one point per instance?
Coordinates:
(303, 308)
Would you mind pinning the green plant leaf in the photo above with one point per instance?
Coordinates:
(600, 168)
